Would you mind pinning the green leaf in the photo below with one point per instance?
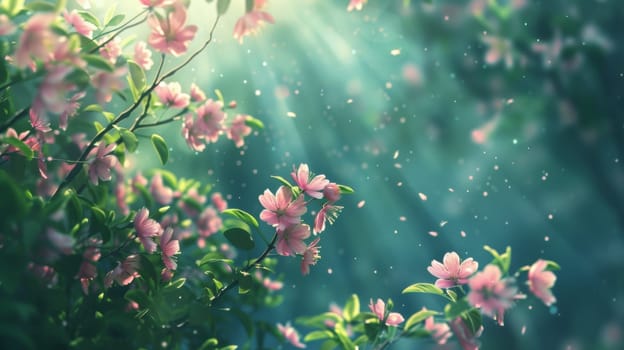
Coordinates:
(249, 5)
(245, 282)
(89, 17)
(242, 215)
(79, 77)
(474, 320)
(138, 296)
(161, 148)
(129, 139)
(345, 189)
(93, 108)
(136, 78)
(209, 344)
(41, 6)
(20, 145)
(418, 317)
(282, 180)
(423, 288)
(219, 94)
(99, 62)
(552, 266)
(352, 308)
(452, 310)
(318, 321)
(222, 6)
(451, 294)
(240, 238)
(318, 335)
(109, 13)
(178, 283)
(117, 19)
(503, 261)
(254, 123)
(13, 6)
(343, 337)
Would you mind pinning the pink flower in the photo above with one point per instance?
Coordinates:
(191, 201)
(81, 26)
(492, 294)
(290, 334)
(310, 256)
(111, 50)
(329, 213)
(541, 281)
(206, 128)
(280, 210)
(313, 187)
(156, 3)
(197, 95)
(62, 243)
(171, 95)
(143, 56)
(124, 273)
(208, 222)
(147, 228)
(250, 23)
(52, 91)
(100, 167)
(356, 5)
(453, 272)
(37, 40)
(238, 130)
(272, 285)
(169, 35)
(219, 202)
(290, 241)
(379, 309)
(169, 248)
(331, 192)
(70, 110)
(105, 83)
(162, 194)
(440, 332)
(467, 339)
(6, 26)
(87, 271)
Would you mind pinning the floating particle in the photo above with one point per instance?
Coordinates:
(291, 114)
(399, 184)
(396, 154)
(485, 194)
(433, 234)
(451, 189)
(546, 238)
(258, 92)
(496, 167)
(350, 100)
(422, 196)
(550, 216)
(395, 52)
(388, 85)
(470, 177)
(510, 101)
(361, 203)
(330, 271)
(443, 222)
(402, 218)
(462, 233)
(398, 165)
(523, 330)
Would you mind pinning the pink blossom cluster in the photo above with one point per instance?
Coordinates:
(392, 319)
(252, 21)
(284, 209)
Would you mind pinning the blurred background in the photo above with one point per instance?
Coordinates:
(459, 124)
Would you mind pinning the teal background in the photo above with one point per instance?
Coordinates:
(551, 166)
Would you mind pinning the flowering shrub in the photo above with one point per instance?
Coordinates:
(105, 256)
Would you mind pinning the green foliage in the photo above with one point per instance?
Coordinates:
(161, 148)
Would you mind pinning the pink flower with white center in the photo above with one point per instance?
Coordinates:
(100, 167)
(162, 194)
(6, 26)
(310, 256)
(331, 192)
(143, 56)
(290, 334)
(329, 213)
(218, 201)
(453, 272)
(147, 228)
(467, 339)
(541, 281)
(105, 83)
(313, 187)
(112, 50)
(192, 134)
(81, 26)
(356, 5)
(171, 95)
(440, 332)
(379, 308)
(238, 130)
(208, 222)
(36, 41)
(492, 294)
(280, 210)
(250, 23)
(124, 273)
(169, 35)
(169, 248)
(210, 118)
(290, 241)
(197, 95)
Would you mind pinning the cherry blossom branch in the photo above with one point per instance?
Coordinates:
(257, 261)
(13, 119)
(128, 111)
(161, 122)
(119, 30)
